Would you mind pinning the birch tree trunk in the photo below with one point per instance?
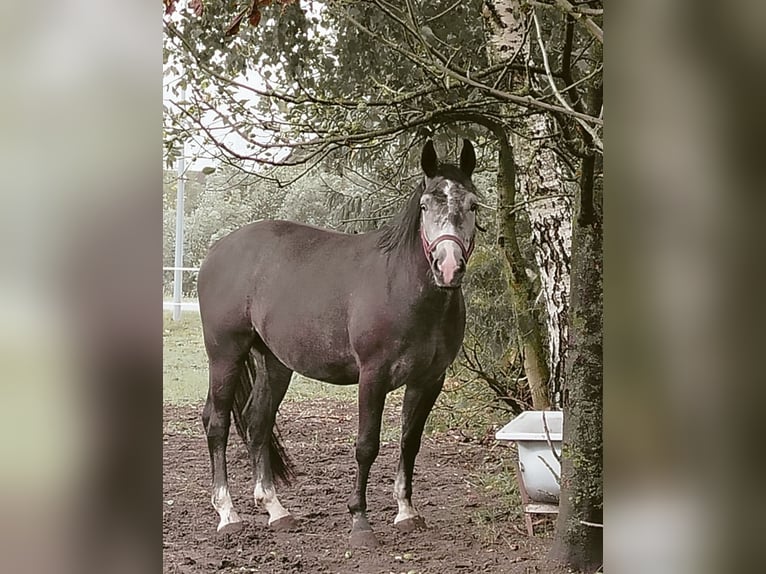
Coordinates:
(541, 176)
(506, 42)
(543, 193)
(524, 314)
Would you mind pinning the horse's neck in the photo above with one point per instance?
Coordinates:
(411, 281)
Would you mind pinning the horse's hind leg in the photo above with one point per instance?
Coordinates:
(225, 366)
(269, 461)
(418, 402)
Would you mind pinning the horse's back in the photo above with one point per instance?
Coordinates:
(273, 244)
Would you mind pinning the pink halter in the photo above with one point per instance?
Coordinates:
(429, 247)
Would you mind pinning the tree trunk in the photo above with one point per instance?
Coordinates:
(542, 174)
(578, 543)
(542, 190)
(525, 316)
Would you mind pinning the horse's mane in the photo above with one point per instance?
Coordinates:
(403, 230)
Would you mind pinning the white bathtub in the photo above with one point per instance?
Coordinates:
(539, 469)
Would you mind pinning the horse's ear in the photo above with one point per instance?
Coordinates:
(428, 160)
(467, 158)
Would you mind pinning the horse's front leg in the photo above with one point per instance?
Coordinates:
(419, 399)
(372, 397)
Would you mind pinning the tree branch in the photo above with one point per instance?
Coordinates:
(590, 25)
(595, 137)
(526, 101)
(580, 13)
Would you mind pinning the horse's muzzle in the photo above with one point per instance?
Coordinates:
(448, 268)
(447, 263)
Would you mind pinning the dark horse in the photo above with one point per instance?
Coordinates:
(382, 309)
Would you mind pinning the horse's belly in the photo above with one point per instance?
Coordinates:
(337, 373)
(314, 355)
(304, 329)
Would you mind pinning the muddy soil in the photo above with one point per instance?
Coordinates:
(464, 534)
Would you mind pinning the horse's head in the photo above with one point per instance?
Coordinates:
(448, 214)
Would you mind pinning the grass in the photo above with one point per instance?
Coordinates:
(498, 482)
(184, 377)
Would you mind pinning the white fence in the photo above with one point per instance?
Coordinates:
(182, 306)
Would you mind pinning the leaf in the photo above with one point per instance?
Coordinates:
(197, 7)
(233, 28)
(170, 5)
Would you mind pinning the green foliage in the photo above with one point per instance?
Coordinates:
(323, 78)
(357, 79)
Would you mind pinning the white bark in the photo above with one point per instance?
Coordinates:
(541, 183)
(542, 187)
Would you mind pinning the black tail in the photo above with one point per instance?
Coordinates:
(281, 465)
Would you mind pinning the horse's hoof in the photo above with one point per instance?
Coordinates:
(230, 528)
(285, 523)
(411, 524)
(363, 539)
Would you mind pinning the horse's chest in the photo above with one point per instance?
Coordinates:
(405, 343)
(426, 360)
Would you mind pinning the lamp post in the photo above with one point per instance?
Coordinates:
(179, 258)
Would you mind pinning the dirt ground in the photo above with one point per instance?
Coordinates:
(464, 533)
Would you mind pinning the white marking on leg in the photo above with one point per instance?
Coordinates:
(268, 497)
(406, 510)
(224, 506)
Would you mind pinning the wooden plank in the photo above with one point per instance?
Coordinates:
(538, 508)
